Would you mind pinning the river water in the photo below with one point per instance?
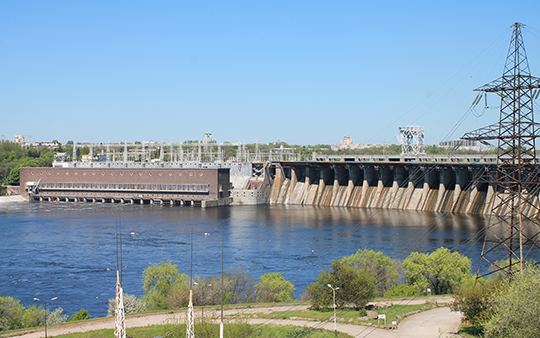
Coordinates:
(68, 250)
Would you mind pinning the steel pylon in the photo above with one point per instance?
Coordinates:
(190, 330)
(513, 222)
(120, 319)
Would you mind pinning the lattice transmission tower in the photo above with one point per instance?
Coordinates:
(513, 222)
(411, 139)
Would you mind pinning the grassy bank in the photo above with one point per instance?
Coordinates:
(212, 330)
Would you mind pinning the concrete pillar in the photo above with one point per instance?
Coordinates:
(340, 175)
(326, 173)
(370, 179)
(292, 185)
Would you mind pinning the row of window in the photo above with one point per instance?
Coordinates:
(121, 186)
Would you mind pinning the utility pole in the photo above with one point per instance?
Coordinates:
(513, 222)
(190, 330)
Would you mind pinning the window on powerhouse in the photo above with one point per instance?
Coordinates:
(127, 186)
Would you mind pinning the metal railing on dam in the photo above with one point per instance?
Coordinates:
(455, 187)
(452, 158)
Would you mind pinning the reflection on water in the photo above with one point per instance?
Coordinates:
(64, 249)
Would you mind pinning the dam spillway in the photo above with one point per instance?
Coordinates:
(461, 188)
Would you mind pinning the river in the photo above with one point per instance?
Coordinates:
(68, 250)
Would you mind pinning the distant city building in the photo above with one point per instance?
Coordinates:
(48, 145)
(346, 143)
(20, 140)
(461, 143)
(207, 138)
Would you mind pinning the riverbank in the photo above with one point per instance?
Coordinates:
(12, 199)
(439, 322)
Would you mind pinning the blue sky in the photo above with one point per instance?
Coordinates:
(304, 72)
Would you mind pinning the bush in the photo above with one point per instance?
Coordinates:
(401, 290)
(472, 299)
(515, 307)
(56, 317)
(132, 304)
(81, 315)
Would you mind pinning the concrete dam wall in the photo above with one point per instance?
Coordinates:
(447, 188)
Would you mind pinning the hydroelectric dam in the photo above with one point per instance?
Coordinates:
(448, 184)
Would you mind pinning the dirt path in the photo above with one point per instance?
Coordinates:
(438, 322)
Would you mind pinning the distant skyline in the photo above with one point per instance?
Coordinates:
(303, 72)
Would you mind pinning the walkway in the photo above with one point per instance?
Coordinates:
(438, 322)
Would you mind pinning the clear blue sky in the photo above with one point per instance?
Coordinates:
(304, 72)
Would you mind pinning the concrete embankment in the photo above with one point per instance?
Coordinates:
(12, 199)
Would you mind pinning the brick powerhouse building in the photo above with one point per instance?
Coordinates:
(202, 186)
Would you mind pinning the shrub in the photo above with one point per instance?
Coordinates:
(401, 290)
(81, 315)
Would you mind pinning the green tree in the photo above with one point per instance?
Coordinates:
(273, 288)
(382, 267)
(515, 307)
(81, 315)
(356, 287)
(158, 280)
(33, 316)
(441, 271)
(11, 313)
(46, 158)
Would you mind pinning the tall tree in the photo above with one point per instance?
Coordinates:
(441, 271)
(356, 287)
(158, 280)
(384, 269)
(273, 288)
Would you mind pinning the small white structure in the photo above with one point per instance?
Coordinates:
(411, 139)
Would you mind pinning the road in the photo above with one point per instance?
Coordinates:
(439, 322)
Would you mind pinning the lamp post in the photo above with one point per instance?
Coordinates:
(46, 314)
(334, 294)
(203, 298)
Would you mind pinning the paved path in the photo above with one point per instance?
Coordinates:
(438, 322)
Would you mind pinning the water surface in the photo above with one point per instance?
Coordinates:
(68, 250)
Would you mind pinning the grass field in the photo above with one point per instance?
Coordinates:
(212, 330)
(349, 316)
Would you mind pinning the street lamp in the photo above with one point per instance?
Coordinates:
(334, 294)
(46, 314)
(203, 298)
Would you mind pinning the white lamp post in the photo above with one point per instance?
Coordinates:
(46, 314)
(334, 294)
